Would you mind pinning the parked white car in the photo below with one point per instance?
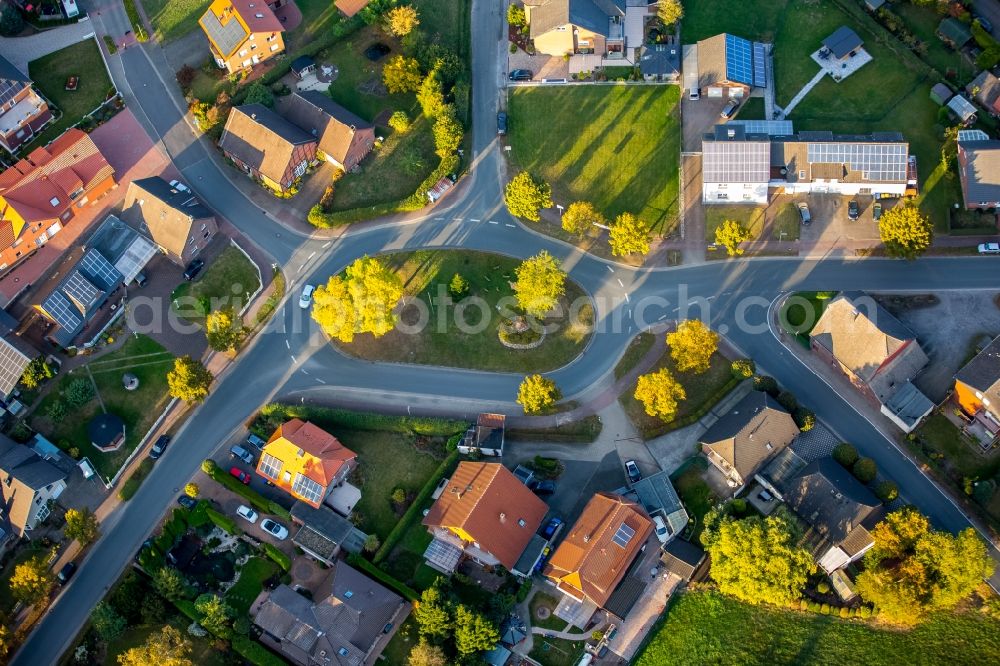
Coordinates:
(661, 529)
(277, 530)
(989, 248)
(247, 514)
(306, 299)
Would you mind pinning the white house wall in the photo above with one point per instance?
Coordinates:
(734, 193)
(846, 189)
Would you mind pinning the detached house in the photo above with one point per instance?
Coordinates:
(241, 33)
(560, 27)
(343, 138)
(979, 169)
(977, 389)
(267, 147)
(728, 65)
(484, 513)
(27, 483)
(985, 89)
(756, 429)
(177, 221)
(39, 194)
(305, 461)
(23, 112)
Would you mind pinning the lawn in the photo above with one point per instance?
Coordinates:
(703, 391)
(50, 73)
(549, 601)
(556, 651)
(752, 19)
(226, 281)
(635, 352)
(440, 341)
(752, 109)
(787, 223)
(751, 217)
(800, 312)
(960, 454)
(694, 492)
(617, 147)
(708, 628)
(174, 18)
(318, 16)
(29, 551)
(251, 581)
(140, 355)
(203, 651)
(397, 650)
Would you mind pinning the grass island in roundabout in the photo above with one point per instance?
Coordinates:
(451, 321)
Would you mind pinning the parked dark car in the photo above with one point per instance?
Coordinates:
(191, 272)
(66, 572)
(520, 75)
(730, 109)
(238, 451)
(544, 488)
(633, 471)
(159, 446)
(241, 475)
(187, 502)
(255, 441)
(501, 123)
(804, 213)
(876, 211)
(551, 527)
(853, 210)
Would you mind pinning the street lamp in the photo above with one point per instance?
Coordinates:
(560, 208)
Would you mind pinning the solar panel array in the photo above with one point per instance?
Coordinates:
(80, 291)
(12, 365)
(307, 489)
(623, 535)
(736, 161)
(759, 70)
(62, 312)
(739, 60)
(99, 270)
(8, 89)
(769, 127)
(875, 161)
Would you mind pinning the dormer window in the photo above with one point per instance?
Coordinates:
(54, 201)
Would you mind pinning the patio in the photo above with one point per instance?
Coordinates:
(842, 68)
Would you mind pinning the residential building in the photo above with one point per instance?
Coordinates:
(742, 162)
(322, 533)
(27, 484)
(486, 437)
(267, 147)
(681, 559)
(485, 514)
(657, 496)
(241, 33)
(344, 138)
(350, 7)
(177, 221)
(873, 349)
(305, 461)
(23, 112)
(753, 432)
(842, 44)
(985, 89)
(661, 62)
(977, 388)
(348, 623)
(979, 169)
(15, 355)
(596, 554)
(560, 27)
(728, 65)
(953, 32)
(40, 193)
(838, 508)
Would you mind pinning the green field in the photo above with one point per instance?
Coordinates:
(754, 20)
(50, 73)
(226, 281)
(203, 652)
(251, 581)
(174, 18)
(635, 352)
(694, 492)
(426, 273)
(617, 147)
(708, 628)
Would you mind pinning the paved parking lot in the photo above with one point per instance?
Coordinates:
(829, 217)
(698, 117)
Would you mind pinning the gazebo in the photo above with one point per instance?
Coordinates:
(106, 432)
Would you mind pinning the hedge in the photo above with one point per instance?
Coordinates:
(222, 521)
(283, 560)
(693, 417)
(415, 512)
(586, 429)
(274, 414)
(187, 607)
(403, 589)
(255, 653)
(278, 510)
(223, 478)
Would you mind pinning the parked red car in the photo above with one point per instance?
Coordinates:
(241, 475)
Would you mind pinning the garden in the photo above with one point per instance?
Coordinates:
(228, 281)
(800, 312)
(459, 335)
(96, 387)
(750, 217)
(695, 493)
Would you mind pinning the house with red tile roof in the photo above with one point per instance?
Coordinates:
(41, 193)
(305, 461)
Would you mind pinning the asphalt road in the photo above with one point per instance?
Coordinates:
(291, 357)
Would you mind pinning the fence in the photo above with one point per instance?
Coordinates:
(152, 429)
(260, 277)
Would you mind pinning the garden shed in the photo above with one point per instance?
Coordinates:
(941, 93)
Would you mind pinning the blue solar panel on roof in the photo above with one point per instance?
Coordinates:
(739, 60)
(99, 270)
(623, 535)
(759, 70)
(58, 307)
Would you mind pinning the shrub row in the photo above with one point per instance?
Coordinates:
(693, 417)
(274, 414)
(283, 560)
(131, 485)
(255, 653)
(221, 477)
(136, 21)
(222, 521)
(586, 429)
(415, 512)
(403, 589)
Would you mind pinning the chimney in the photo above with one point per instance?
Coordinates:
(503, 517)
(586, 538)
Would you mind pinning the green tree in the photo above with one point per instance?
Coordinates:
(692, 346)
(743, 368)
(371, 543)
(11, 21)
(805, 419)
(886, 491)
(79, 392)
(516, 16)
(425, 654)
(430, 95)
(81, 525)
(363, 300)
(399, 122)
(106, 621)
(473, 632)
(581, 216)
(37, 372)
(905, 231)
(216, 616)
(525, 196)
(540, 283)
(258, 93)
(628, 235)
(224, 330)
(432, 614)
(401, 21)
(170, 584)
(537, 393)
(32, 580)
(864, 470)
(670, 11)
(458, 287)
(192, 490)
(398, 496)
(730, 234)
(448, 132)
(56, 411)
(659, 394)
(189, 380)
(736, 548)
(166, 648)
(845, 454)
(402, 75)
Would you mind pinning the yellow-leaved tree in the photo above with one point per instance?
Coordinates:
(692, 346)
(628, 235)
(730, 234)
(537, 393)
(905, 232)
(166, 648)
(580, 216)
(659, 392)
(224, 330)
(540, 282)
(189, 380)
(362, 300)
(670, 11)
(32, 580)
(400, 21)
(525, 196)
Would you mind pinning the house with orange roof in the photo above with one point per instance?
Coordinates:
(596, 554)
(40, 193)
(242, 33)
(305, 461)
(484, 513)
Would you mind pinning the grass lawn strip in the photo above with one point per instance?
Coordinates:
(787, 223)
(635, 352)
(617, 147)
(143, 357)
(250, 583)
(800, 312)
(551, 622)
(695, 493)
(961, 453)
(203, 652)
(751, 217)
(705, 627)
(751, 19)
(50, 73)
(489, 277)
(227, 281)
(174, 18)
(556, 651)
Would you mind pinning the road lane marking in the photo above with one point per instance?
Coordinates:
(626, 299)
(662, 318)
(288, 344)
(510, 225)
(327, 244)
(311, 256)
(610, 270)
(494, 222)
(293, 359)
(305, 372)
(320, 380)
(620, 283)
(457, 219)
(473, 219)
(438, 218)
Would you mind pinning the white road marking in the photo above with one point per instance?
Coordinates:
(327, 244)
(494, 222)
(293, 359)
(626, 299)
(473, 219)
(301, 266)
(288, 344)
(311, 255)
(662, 318)
(610, 270)
(457, 219)
(438, 218)
(305, 372)
(512, 226)
(320, 380)
(620, 283)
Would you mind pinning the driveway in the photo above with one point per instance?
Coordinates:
(829, 217)
(649, 607)
(22, 50)
(697, 117)
(542, 66)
